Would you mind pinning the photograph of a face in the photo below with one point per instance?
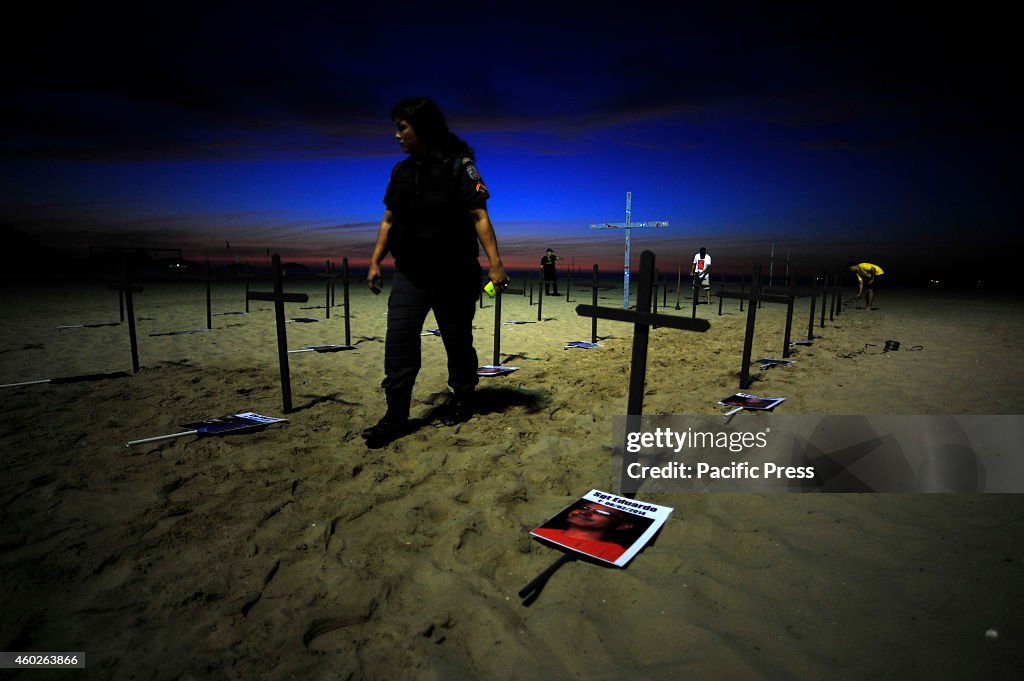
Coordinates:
(605, 526)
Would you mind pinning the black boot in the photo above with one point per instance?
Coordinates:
(459, 409)
(394, 424)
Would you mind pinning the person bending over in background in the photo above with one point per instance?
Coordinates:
(867, 280)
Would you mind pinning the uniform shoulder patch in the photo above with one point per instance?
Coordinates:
(471, 170)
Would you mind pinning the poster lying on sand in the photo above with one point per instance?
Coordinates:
(768, 362)
(240, 422)
(605, 526)
(495, 370)
(581, 344)
(748, 401)
(330, 347)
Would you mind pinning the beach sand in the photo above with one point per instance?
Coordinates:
(296, 552)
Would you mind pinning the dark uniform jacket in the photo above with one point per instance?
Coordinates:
(431, 229)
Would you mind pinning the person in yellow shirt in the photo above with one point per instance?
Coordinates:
(867, 278)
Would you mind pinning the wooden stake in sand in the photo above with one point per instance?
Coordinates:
(810, 320)
(654, 291)
(497, 321)
(126, 288)
(209, 279)
(832, 305)
(279, 298)
(695, 284)
(642, 319)
(248, 278)
(799, 292)
(497, 329)
(540, 300)
(628, 225)
(594, 287)
(813, 292)
(830, 286)
(679, 284)
(786, 296)
(209, 301)
(344, 290)
(755, 298)
(329, 277)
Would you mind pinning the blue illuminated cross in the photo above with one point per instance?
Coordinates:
(628, 224)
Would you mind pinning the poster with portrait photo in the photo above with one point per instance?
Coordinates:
(605, 526)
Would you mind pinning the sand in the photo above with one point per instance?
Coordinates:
(296, 552)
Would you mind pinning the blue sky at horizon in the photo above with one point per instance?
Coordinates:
(885, 134)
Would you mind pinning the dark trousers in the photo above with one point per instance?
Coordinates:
(550, 282)
(454, 304)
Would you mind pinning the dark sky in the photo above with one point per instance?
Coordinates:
(835, 132)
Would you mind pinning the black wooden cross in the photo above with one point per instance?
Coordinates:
(812, 292)
(279, 298)
(794, 292)
(756, 296)
(628, 225)
(594, 287)
(235, 273)
(722, 295)
(643, 319)
(329, 277)
(332, 275)
(800, 292)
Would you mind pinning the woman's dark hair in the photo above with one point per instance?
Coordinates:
(426, 119)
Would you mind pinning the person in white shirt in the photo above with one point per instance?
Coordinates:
(701, 272)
